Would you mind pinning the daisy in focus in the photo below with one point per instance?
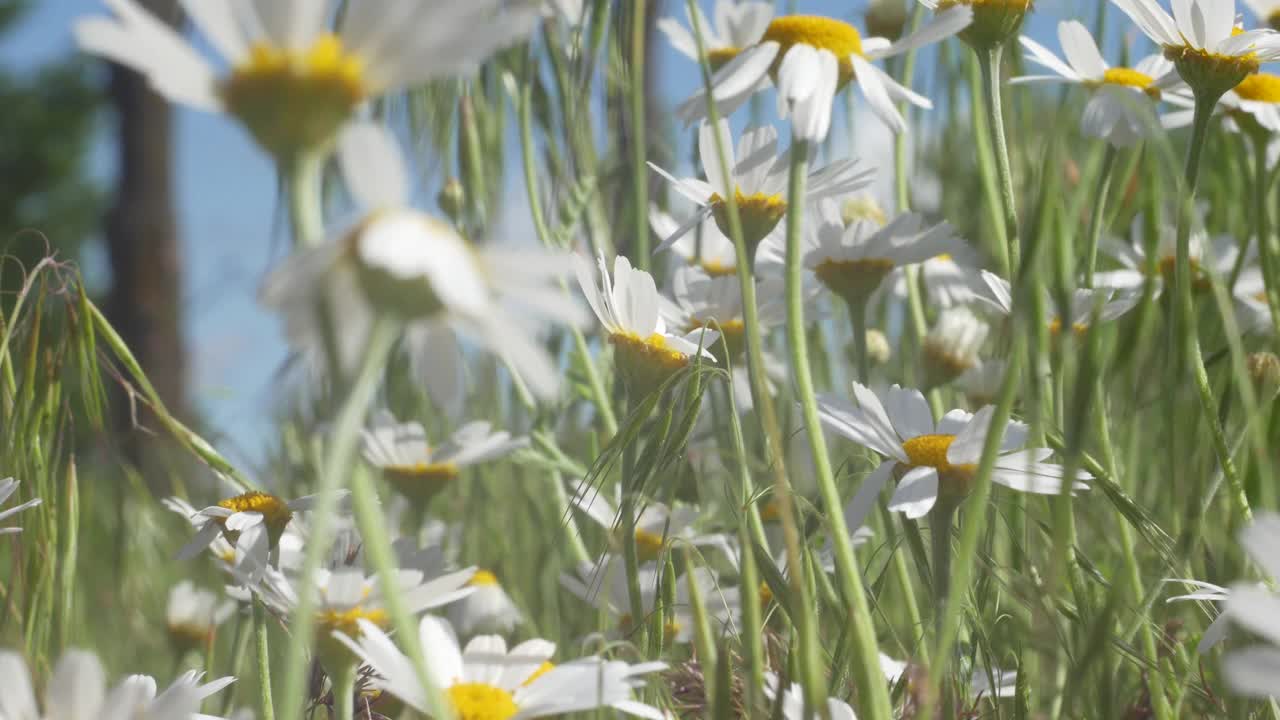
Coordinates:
(77, 690)
(1121, 105)
(254, 514)
(1255, 670)
(810, 58)
(293, 82)
(629, 307)
(932, 459)
(408, 265)
(8, 487)
(410, 465)
(758, 181)
(1201, 41)
(193, 615)
(737, 25)
(485, 680)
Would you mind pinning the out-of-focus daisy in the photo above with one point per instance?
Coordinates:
(245, 512)
(1255, 670)
(758, 181)
(994, 21)
(1201, 40)
(981, 383)
(998, 683)
(1252, 106)
(1206, 592)
(488, 609)
(1208, 256)
(995, 293)
(404, 263)
(1267, 11)
(77, 690)
(193, 615)
(604, 585)
(484, 680)
(628, 306)
(415, 470)
(810, 58)
(852, 262)
(793, 701)
(737, 25)
(7, 487)
(931, 459)
(700, 299)
(951, 346)
(1121, 108)
(1250, 293)
(292, 81)
(947, 279)
(886, 18)
(347, 595)
(656, 524)
(704, 247)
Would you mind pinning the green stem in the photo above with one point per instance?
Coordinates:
(989, 63)
(264, 659)
(1186, 317)
(872, 691)
(1099, 212)
(339, 456)
(628, 511)
(858, 319)
(306, 176)
(343, 682)
(1268, 245)
(640, 180)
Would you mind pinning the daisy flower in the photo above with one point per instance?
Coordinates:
(886, 18)
(994, 21)
(292, 81)
(1214, 256)
(193, 615)
(628, 306)
(980, 682)
(1255, 670)
(409, 464)
(1208, 592)
(1201, 40)
(409, 265)
(852, 262)
(700, 299)
(947, 278)
(7, 487)
(737, 25)
(1267, 11)
(1250, 293)
(77, 690)
(793, 701)
(702, 245)
(1253, 106)
(488, 609)
(758, 181)
(656, 524)
(1117, 111)
(248, 512)
(929, 458)
(951, 346)
(981, 383)
(484, 680)
(810, 58)
(995, 293)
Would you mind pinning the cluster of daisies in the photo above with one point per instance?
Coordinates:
(303, 86)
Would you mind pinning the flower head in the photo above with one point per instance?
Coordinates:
(1255, 670)
(810, 58)
(193, 615)
(952, 345)
(488, 609)
(7, 487)
(255, 520)
(702, 301)
(994, 21)
(932, 459)
(1208, 256)
(737, 25)
(293, 82)
(486, 681)
(995, 293)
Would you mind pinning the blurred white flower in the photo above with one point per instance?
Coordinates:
(810, 58)
(1203, 591)
(737, 25)
(488, 609)
(415, 268)
(951, 347)
(193, 615)
(415, 469)
(793, 701)
(77, 690)
(485, 680)
(293, 82)
(995, 293)
(656, 524)
(980, 682)
(931, 458)
(1255, 670)
(7, 487)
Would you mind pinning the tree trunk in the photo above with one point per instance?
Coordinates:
(145, 304)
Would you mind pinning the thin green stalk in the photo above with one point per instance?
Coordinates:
(239, 649)
(1268, 245)
(902, 578)
(1185, 308)
(640, 180)
(1099, 213)
(858, 319)
(343, 681)
(872, 692)
(306, 176)
(989, 63)
(265, 705)
(339, 457)
(628, 511)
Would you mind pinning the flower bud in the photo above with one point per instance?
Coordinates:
(995, 22)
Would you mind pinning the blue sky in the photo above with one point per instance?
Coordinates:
(229, 220)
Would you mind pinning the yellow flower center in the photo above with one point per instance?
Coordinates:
(648, 545)
(344, 621)
(483, 578)
(766, 595)
(546, 667)
(733, 332)
(421, 481)
(717, 57)
(758, 213)
(1127, 77)
(715, 268)
(1260, 87)
(481, 701)
(840, 38)
(275, 512)
(862, 208)
(646, 363)
(931, 451)
(853, 280)
(1055, 327)
(1168, 264)
(294, 100)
